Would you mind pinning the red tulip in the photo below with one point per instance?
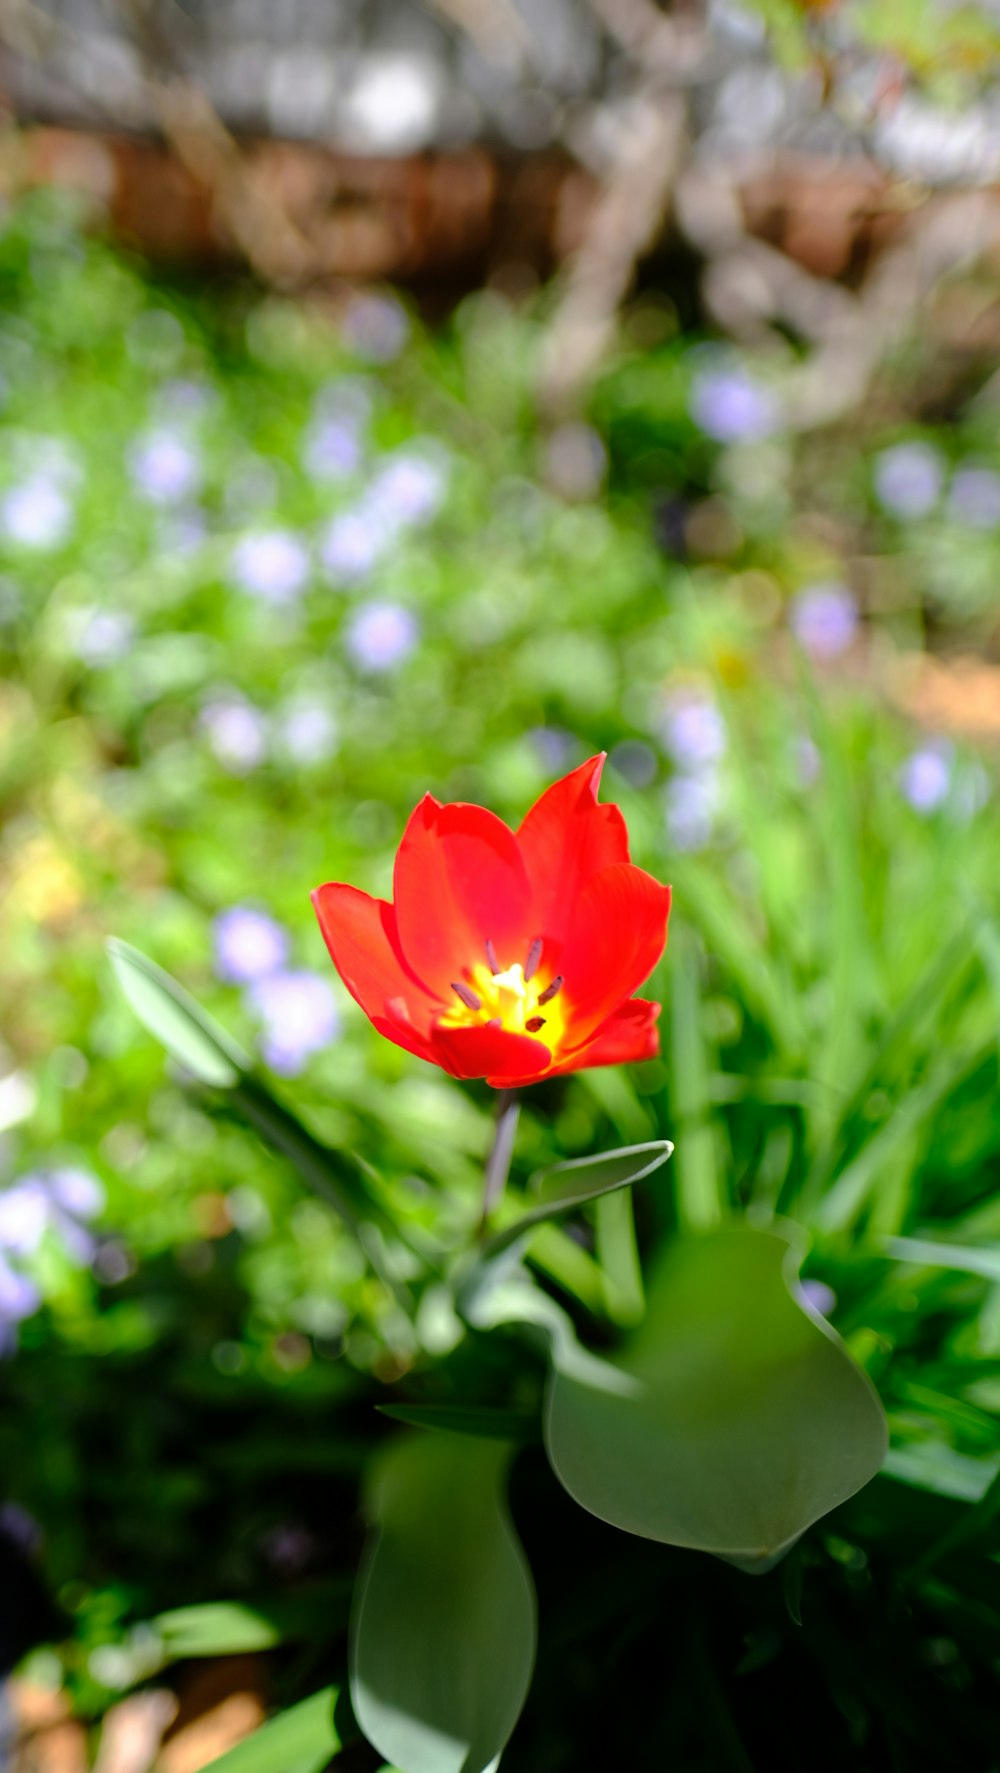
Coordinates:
(509, 956)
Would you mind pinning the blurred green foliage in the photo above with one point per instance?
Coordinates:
(188, 1413)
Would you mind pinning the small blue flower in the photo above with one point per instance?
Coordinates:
(307, 733)
(974, 498)
(376, 327)
(730, 406)
(36, 514)
(272, 565)
(409, 487)
(248, 945)
(101, 636)
(925, 778)
(908, 479)
(164, 467)
(693, 730)
(381, 636)
(825, 620)
(691, 808)
(237, 733)
(331, 450)
(299, 1015)
(350, 547)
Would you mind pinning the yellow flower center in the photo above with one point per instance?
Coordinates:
(509, 1001)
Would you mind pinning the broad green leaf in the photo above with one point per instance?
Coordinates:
(735, 1419)
(484, 1424)
(169, 1013)
(444, 1632)
(227, 1628)
(300, 1740)
(569, 1185)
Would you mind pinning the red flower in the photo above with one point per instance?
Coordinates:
(509, 956)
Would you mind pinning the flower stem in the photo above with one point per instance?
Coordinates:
(498, 1162)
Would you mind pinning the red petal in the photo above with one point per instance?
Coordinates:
(459, 882)
(492, 1052)
(626, 1038)
(360, 933)
(565, 839)
(617, 934)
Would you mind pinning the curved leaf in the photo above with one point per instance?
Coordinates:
(300, 1740)
(444, 1634)
(736, 1418)
(571, 1184)
(169, 1013)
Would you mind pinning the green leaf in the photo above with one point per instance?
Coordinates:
(169, 1013)
(228, 1628)
(932, 1253)
(444, 1635)
(698, 1185)
(736, 1417)
(300, 1740)
(569, 1185)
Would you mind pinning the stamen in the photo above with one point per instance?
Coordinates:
(491, 956)
(494, 1022)
(534, 956)
(469, 998)
(534, 1023)
(552, 990)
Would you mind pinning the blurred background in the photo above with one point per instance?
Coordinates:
(429, 394)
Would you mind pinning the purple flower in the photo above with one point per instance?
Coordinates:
(553, 748)
(100, 636)
(822, 1298)
(331, 450)
(164, 467)
(381, 636)
(576, 461)
(925, 778)
(273, 565)
(299, 1014)
(908, 479)
(350, 547)
(236, 732)
(376, 327)
(248, 945)
(693, 730)
(692, 805)
(19, 1297)
(24, 1216)
(730, 406)
(408, 488)
(825, 620)
(635, 761)
(37, 514)
(49, 1200)
(76, 1191)
(974, 499)
(307, 733)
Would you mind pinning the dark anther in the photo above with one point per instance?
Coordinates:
(534, 1023)
(552, 990)
(469, 998)
(534, 956)
(491, 956)
(494, 1022)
